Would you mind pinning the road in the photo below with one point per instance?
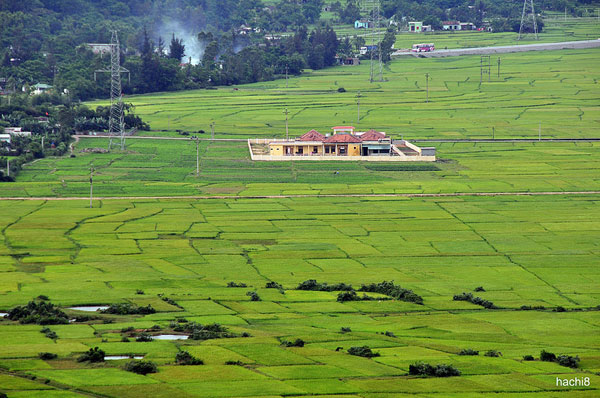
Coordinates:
(503, 49)
(358, 195)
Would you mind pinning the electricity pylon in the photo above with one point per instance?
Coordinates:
(525, 15)
(116, 123)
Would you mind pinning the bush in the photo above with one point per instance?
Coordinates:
(273, 285)
(560, 309)
(547, 356)
(341, 90)
(295, 343)
(479, 289)
(313, 285)
(49, 333)
(185, 358)
(204, 332)
(468, 351)
(253, 296)
(475, 300)
(345, 329)
(233, 284)
(528, 358)
(38, 312)
(425, 369)
(238, 363)
(363, 351)
(93, 355)
(347, 296)
(141, 367)
(128, 309)
(395, 291)
(46, 356)
(144, 337)
(568, 361)
(493, 354)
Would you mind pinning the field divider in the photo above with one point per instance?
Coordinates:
(349, 195)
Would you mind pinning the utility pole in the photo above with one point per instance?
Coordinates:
(286, 75)
(498, 67)
(358, 108)
(8, 167)
(427, 87)
(287, 135)
(195, 137)
(212, 131)
(540, 132)
(91, 184)
(493, 133)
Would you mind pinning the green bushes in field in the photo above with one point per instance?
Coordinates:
(49, 333)
(198, 331)
(395, 291)
(563, 360)
(313, 285)
(234, 284)
(141, 367)
(185, 358)
(273, 285)
(528, 358)
(295, 343)
(468, 351)
(46, 356)
(253, 296)
(169, 301)
(128, 309)
(479, 289)
(363, 351)
(345, 329)
(38, 312)
(347, 296)
(425, 369)
(532, 308)
(143, 337)
(92, 355)
(475, 300)
(493, 353)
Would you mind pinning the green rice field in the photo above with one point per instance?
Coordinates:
(523, 251)
(554, 89)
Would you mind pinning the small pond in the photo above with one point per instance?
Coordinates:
(118, 357)
(89, 308)
(170, 337)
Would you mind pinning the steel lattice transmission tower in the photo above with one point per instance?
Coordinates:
(525, 15)
(372, 8)
(116, 124)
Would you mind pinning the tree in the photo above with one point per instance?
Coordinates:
(386, 45)
(176, 49)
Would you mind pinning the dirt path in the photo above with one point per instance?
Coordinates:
(358, 195)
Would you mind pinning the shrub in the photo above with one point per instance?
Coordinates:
(568, 361)
(139, 291)
(479, 289)
(253, 296)
(125, 339)
(493, 354)
(547, 356)
(295, 343)
(233, 284)
(313, 285)
(475, 300)
(528, 358)
(204, 332)
(49, 333)
(468, 351)
(395, 291)
(238, 363)
(141, 367)
(128, 309)
(43, 297)
(425, 369)
(185, 358)
(93, 355)
(38, 312)
(341, 90)
(559, 309)
(347, 296)
(127, 329)
(144, 337)
(169, 301)
(345, 329)
(363, 351)
(273, 285)
(389, 334)
(46, 356)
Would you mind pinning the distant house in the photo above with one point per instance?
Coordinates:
(353, 61)
(17, 131)
(362, 24)
(451, 25)
(365, 49)
(467, 26)
(40, 88)
(99, 48)
(344, 144)
(5, 138)
(415, 27)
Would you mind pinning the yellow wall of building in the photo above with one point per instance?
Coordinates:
(353, 149)
(276, 150)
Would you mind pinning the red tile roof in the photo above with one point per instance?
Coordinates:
(342, 127)
(372, 135)
(341, 138)
(312, 135)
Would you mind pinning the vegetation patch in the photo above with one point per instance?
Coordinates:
(364, 351)
(128, 309)
(475, 300)
(92, 355)
(425, 369)
(185, 358)
(141, 367)
(38, 312)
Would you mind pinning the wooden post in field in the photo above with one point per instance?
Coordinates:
(212, 131)
(195, 137)
(8, 167)
(493, 133)
(540, 132)
(498, 67)
(427, 87)
(287, 135)
(91, 184)
(358, 108)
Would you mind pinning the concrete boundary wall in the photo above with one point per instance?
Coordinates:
(267, 158)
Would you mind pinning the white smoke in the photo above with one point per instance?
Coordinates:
(194, 49)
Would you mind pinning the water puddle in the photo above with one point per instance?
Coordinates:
(118, 357)
(170, 337)
(89, 308)
(3, 314)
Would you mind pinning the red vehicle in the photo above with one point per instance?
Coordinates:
(423, 48)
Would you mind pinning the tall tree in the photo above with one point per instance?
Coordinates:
(176, 49)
